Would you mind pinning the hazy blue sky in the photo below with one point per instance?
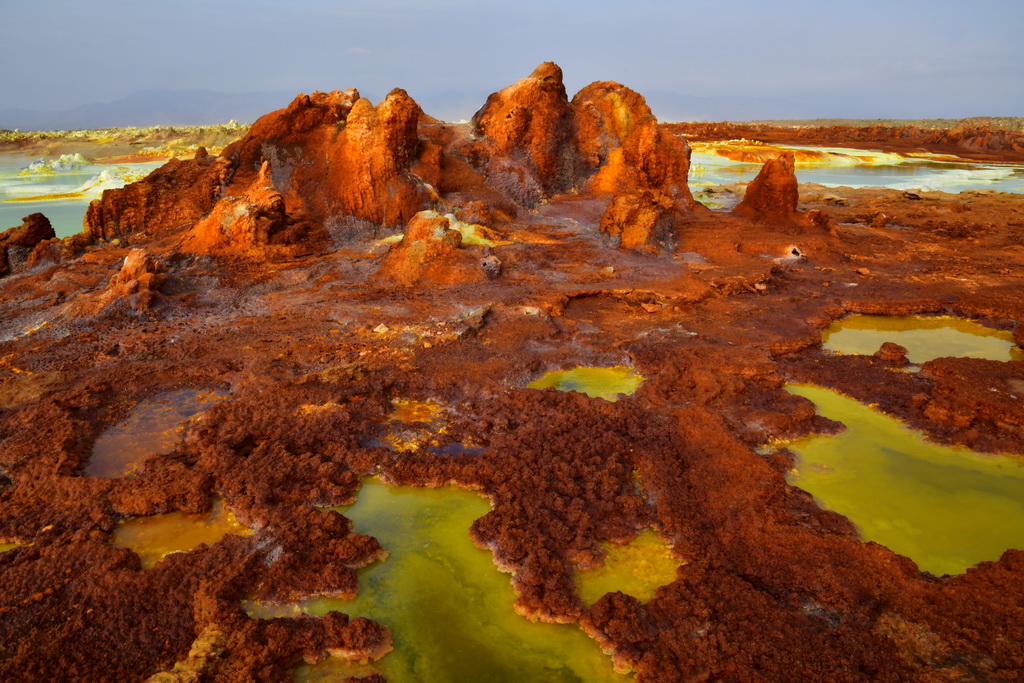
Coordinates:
(871, 58)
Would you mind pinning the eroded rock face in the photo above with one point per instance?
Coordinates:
(531, 123)
(641, 220)
(335, 154)
(133, 289)
(773, 194)
(17, 242)
(430, 251)
(1018, 335)
(622, 148)
(332, 155)
(892, 353)
(280, 136)
(339, 164)
(244, 226)
(536, 144)
(139, 280)
(173, 196)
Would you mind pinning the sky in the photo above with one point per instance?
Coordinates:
(863, 59)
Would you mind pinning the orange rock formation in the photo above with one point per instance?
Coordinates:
(170, 198)
(429, 251)
(335, 154)
(641, 220)
(530, 127)
(35, 228)
(247, 225)
(773, 194)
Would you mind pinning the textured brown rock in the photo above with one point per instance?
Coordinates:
(643, 220)
(138, 281)
(892, 353)
(335, 154)
(534, 143)
(475, 212)
(429, 251)
(55, 249)
(133, 289)
(278, 137)
(244, 226)
(35, 228)
(1018, 335)
(968, 141)
(173, 196)
(531, 122)
(331, 155)
(773, 195)
(622, 147)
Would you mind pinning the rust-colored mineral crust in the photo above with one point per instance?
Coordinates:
(892, 353)
(133, 288)
(536, 144)
(244, 226)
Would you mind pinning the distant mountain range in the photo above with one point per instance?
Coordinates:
(152, 108)
(207, 107)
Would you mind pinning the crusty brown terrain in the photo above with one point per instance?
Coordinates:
(260, 272)
(975, 140)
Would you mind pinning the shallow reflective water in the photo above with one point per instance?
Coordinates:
(864, 168)
(153, 428)
(924, 338)
(155, 537)
(945, 508)
(4, 547)
(607, 383)
(60, 188)
(408, 411)
(414, 425)
(637, 568)
(448, 607)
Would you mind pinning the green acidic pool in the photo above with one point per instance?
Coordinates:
(4, 547)
(637, 568)
(154, 427)
(449, 609)
(607, 383)
(945, 508)
(155, 537)
(924, 338)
